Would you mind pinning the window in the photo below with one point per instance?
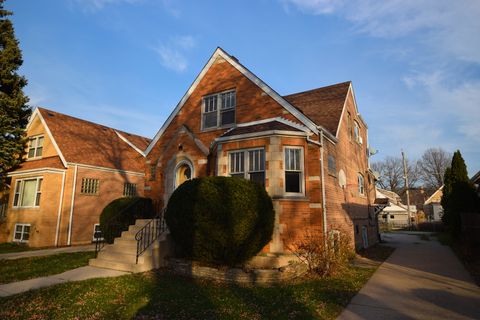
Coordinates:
(392, 216)
(248, 164)
(35, 147)
(22, 232)
(27, 192)
(129, 189)
(356, 132)
(97, 233)
(349, 125)
(90, 186)
(332, 165)
(219, 110)
(293, 170)
(153, 171)
(361, 184)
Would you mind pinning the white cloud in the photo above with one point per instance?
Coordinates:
(449, 27)
(173, 53)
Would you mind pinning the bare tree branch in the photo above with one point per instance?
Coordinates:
(433, 164)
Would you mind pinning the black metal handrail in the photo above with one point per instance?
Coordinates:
(113, 228)
(149, 233)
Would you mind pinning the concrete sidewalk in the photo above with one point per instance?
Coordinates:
(420, 280)
(46, 252)
(78, 274)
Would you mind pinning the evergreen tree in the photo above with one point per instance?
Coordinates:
(14, 111)
(458, 194)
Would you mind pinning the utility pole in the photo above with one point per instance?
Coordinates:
(405, 175)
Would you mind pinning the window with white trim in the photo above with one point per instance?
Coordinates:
(248, 164)
(293, 170)
(97, 233)
(35, 147)
(22, 232)
(129, 189)
(27, 192)
(90, 186)
(356, 131)
(219, 110)
(361, 184)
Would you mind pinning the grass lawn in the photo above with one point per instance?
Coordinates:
(9, 247)
(28, 268)
(157, 295)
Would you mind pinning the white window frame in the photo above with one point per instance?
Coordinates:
(219, 110)
(85, 192)
(361, 184)
(94, 231)
(23, 225)
(19, 189)
(246, 163)
(130, 189)
(302, 172)
(356, 131)
(35, 149)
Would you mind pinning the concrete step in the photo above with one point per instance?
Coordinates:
(126, 257)
(122, 266)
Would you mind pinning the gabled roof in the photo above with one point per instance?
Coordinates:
(436, 197)
(83, 142)
(219, 52)
(324, 106)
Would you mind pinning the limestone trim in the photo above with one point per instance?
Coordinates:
(261, 134)
(87, 166)
(35, 171)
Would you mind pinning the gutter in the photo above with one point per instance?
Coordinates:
(69, 241)
(60, 210)
(324, 206)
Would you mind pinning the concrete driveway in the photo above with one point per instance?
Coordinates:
(421, 280)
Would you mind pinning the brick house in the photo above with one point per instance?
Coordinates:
(309, 150)
(73, 169)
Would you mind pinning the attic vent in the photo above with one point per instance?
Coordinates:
(50, 114)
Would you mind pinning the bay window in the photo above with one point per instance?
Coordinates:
(248, 164)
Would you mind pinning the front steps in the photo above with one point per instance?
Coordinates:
(121, 254)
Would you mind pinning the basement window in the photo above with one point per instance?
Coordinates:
(22, 232)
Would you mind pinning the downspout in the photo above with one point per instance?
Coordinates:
(69, 241)
(324, 205)
(59, 210)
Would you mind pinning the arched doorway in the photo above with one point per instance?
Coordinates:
(183, 172)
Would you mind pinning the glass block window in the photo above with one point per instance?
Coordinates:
(90, 186)
(293, 170)
(27, 192)
(129, 189)
(35, 147)
(22, 232)
(213, 116)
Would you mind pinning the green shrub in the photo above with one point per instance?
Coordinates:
(220, 220)
(112, 222)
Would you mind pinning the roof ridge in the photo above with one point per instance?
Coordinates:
(91, 122)
(314, 89)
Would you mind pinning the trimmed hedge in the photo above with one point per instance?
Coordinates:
(220, 220)
(112, 222)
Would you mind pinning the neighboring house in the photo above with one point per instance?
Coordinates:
(432, 206)
(476, 182)
(395, 214)
(309, 150)
(73, 169)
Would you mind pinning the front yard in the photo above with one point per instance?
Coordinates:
(29, 268)
(161, 295)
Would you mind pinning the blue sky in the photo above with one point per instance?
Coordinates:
(415, 64)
